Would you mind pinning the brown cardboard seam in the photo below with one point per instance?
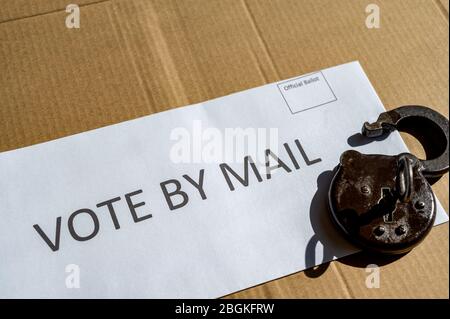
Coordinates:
(344, 285)
(126, 48)
(261, 41)
(166, 58)
(191, 53)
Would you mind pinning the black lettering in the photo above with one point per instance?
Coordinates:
(109, 204)
(279, 164)
(291, 156)
(177, 191)
(133, 206)
(225, 168)
(53, 246)
(199, 185)
(305, 157)
(72, 229)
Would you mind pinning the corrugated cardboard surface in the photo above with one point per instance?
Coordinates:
(134, 57)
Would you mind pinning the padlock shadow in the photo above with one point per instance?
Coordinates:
(359, 140)
(330, 238)
(323, 228)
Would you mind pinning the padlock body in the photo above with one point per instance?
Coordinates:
(363, 208)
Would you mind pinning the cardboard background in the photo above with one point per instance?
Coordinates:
(135, 57)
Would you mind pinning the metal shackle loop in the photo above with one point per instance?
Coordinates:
(404, 178)
(425, 124)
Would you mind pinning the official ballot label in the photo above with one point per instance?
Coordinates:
(306, 92)
(199, 201)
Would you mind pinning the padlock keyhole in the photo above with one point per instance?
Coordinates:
(386, 194)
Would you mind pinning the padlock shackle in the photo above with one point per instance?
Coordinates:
(404, 180)
(427, 125)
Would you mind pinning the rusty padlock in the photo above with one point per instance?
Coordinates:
(385, 203)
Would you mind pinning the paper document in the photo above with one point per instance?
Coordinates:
(182, 203)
